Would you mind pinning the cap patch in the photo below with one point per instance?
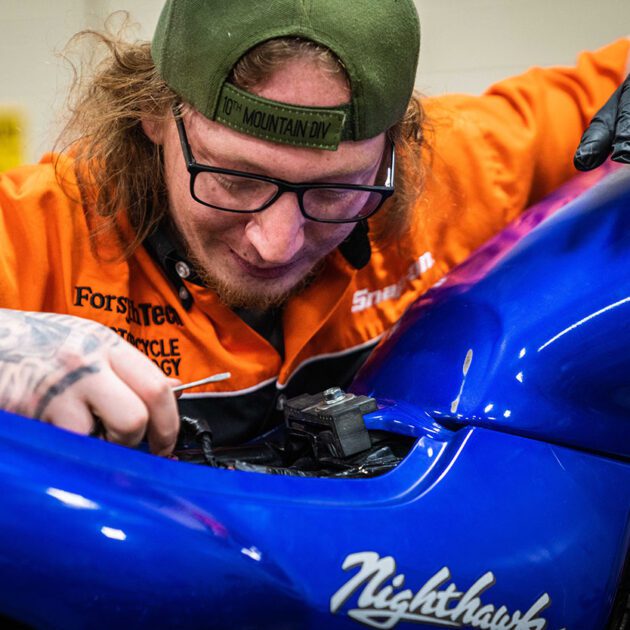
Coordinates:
(313, 127)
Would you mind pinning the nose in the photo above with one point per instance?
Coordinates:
(277, 233)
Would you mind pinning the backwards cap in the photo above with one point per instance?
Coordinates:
(198, 42)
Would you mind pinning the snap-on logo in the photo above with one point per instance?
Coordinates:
(364, 298)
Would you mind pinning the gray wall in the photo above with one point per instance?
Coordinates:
(466, 45)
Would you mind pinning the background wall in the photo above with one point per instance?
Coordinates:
(466, 45)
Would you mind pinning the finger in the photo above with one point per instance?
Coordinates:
(174, 382)
(154, 389)
(123, 415)
(621, 145)
(596, 143)
(70, 414)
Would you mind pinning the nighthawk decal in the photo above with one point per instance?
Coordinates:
(382, 603)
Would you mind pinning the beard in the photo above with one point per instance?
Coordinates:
(242, 297)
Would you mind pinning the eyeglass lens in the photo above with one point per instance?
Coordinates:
(239, 193)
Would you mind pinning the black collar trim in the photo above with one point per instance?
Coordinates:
(162, 247)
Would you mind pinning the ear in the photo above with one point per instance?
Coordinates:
(154, 129)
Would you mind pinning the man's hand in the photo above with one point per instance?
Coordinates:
(608, 132)
(70, 371)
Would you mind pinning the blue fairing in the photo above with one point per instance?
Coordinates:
(493, 520)
(532, 338)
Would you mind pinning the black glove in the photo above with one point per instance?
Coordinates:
(609, 131)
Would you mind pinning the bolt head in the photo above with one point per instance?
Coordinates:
(333, 395)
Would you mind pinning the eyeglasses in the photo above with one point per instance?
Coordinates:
(235, 191)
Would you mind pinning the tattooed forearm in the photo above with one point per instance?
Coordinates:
(18, 384)
(23, 335)
(42, 334)
(43, 354)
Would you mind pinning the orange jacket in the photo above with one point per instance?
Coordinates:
(492, 156)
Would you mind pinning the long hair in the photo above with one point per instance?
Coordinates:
(122, 170)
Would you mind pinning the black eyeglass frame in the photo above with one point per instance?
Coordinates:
(194, 168)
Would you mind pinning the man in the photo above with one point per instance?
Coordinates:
(228, 205)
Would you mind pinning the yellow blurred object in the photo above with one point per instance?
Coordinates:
(12, 137)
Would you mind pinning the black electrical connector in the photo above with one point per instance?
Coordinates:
(331, 421)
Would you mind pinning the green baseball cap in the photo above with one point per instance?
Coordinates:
(198, 42)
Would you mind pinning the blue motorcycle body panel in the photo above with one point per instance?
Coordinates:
(532, 339)
(493, 520)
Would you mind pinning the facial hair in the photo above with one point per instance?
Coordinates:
(238, 297)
